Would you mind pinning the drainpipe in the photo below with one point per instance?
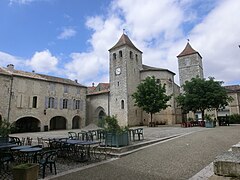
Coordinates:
(10, 98)
(109, 104)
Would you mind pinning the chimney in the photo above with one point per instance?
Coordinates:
(76, 81)
(92, 84)
(33, 71)
(10, 67)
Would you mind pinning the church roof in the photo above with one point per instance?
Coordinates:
(188, 50)
(99, 89)
(124, 40)
(42, 77)
(150, 68)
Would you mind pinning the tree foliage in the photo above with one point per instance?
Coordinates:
(201, 94)
(150, 96)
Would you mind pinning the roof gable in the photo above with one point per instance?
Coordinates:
(188, 50)
(124, 40)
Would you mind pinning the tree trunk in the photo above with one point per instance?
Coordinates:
(151, 120)
(202, 111)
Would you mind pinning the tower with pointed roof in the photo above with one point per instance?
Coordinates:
(189, 64)
(125, 65)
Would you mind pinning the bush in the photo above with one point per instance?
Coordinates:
(234, 119)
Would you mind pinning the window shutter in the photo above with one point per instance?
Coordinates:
(46, 102)
(19, 97)
(55, 103)
(69, 105)
(30, 102)
(81, 105)
(61, 103)
(74, 104)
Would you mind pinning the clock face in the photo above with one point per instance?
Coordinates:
(118, 71)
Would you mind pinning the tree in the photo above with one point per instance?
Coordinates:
(150, 96)
(201, 94)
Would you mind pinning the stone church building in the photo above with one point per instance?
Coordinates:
(37, 102)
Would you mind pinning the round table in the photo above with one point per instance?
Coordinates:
(20, 147)
(30, 154)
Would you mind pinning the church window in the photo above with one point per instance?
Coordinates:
(120, 53)
(136, 56)
(34, 102)
(131, 54)
(65, 103)
(114, 56)
(122, 104)
(117, 83)
(51, 102)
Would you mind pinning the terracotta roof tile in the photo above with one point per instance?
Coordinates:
(188, 50)
(15, 72)
(124, 40)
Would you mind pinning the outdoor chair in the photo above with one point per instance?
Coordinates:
(5, 159)
(29, 141)
(48, 160)
(72, 135)
(105, 147)
(15, 140)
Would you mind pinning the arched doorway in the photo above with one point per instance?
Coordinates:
(76, 122)
(28, 124)
(57, 123)
(101, 116)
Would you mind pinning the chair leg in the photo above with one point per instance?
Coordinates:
(43, 175)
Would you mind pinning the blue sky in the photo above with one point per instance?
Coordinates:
(71, 39)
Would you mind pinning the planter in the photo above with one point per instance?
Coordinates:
(210, 124)
(26, 171)
(118, 140)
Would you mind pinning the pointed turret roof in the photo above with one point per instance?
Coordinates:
(124, 40)
(188, 50)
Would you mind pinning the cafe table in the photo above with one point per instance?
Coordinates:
(30, 154)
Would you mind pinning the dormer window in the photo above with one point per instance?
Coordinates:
(114, 56)
(120, 54)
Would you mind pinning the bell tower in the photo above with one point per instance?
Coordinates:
(125, 65)
(189, 64)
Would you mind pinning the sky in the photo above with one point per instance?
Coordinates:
(71, 38)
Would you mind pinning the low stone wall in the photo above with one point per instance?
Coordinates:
(228, 164)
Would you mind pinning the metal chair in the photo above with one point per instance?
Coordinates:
(72, 135)
(48, 159)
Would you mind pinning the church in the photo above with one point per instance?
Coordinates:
(38, 102)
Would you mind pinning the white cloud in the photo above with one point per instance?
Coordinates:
(67, 33)
(21, 2)
(6, 59)
(43, 62)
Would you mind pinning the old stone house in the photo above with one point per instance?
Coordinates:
(37, 102)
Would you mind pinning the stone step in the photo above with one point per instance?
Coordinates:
(236, 148)
(227, 164)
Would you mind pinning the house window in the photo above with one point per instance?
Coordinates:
(131, 54)
(77, 104)
(122, 104)
(117, 83)
(51, 102)
(65, 89)
(65, 103)
(114, 56)
(136, 56)
(34, 103)
(158, 81)
(120, 53)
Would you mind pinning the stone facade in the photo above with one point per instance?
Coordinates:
(189, 64)
(38, 102)
(126, 72)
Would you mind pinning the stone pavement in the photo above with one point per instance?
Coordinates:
(151, 135)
